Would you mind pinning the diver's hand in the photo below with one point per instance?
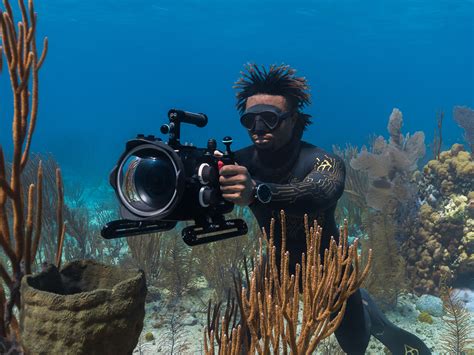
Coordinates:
(236, 183)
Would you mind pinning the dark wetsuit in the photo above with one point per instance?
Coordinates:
(305, 179)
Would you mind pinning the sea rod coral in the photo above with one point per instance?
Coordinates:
(270, 308)
(20, 217)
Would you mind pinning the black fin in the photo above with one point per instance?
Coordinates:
(397, 340)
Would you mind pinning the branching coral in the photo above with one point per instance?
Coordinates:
(20, 226)
(271, 309)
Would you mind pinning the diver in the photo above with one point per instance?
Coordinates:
(280, 171)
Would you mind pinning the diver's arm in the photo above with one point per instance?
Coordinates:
(320, 189)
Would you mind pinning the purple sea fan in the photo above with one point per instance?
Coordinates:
(464, 117)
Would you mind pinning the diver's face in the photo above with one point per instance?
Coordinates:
(267, 139)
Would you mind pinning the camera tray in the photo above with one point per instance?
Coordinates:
(192, 235)
(234, 227)
(127, 228)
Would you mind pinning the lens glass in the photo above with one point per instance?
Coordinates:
(248, 120)
(149, 181)
(270, 119)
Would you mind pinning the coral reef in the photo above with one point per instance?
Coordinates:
(270, 307)
(444, 239)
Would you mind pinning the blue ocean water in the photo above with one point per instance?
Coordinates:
(114, 68)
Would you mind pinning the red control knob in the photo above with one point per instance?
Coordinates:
(220, 164)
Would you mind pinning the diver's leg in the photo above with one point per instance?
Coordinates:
(397, 340)
(353, 334)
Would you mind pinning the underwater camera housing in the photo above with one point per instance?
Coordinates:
(158, 184)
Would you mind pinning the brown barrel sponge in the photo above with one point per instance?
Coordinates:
(86, 308)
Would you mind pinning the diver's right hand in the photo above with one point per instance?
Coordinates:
(235, 182)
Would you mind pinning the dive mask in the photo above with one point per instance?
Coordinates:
(270, 115)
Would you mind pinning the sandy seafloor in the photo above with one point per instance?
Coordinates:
(191, 314)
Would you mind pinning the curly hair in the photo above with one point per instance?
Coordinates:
(277, 80)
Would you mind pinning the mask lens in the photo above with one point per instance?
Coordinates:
(248, 120)
(270, 118)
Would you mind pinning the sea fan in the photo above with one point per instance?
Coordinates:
(458, 328)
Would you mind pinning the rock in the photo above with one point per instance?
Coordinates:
(467, 297)
(430, 304)
(406, 307)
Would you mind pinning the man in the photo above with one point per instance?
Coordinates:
(280, 171)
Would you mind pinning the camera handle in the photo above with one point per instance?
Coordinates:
(197, 234)
(176, 117)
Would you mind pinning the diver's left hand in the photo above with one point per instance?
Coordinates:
(236, 184)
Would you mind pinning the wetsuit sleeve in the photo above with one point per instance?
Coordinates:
(320, 189)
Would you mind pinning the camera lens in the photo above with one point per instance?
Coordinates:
(148, 182)
(155, 181)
